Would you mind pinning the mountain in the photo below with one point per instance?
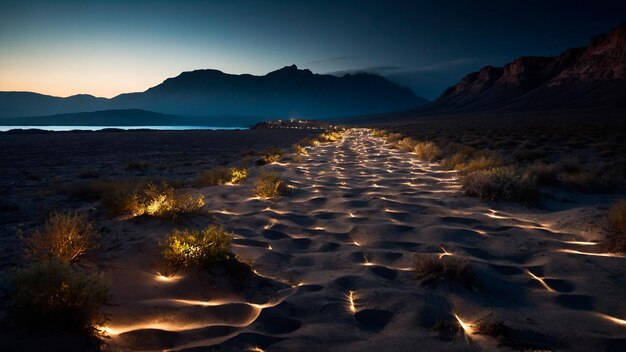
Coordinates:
(579, 78)
(14, 104)
(288, 92)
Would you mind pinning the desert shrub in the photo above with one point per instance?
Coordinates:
(213, 177)
(429, 268)
(616, 238)
(483, 162)
(160, 200)
(393, 137)
(299, 149)
(139, 166)
(66, 236)
(238, 174)
(330, 136)
(220, 176)
(526, 154)
(617, 216)
(545, 174)
(269, 185)
(197, 248)
(500, 184)
(50, 294)
(589, 181)
(271, 155)
(406, 144)
(427, 151)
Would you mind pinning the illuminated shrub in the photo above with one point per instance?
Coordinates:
(427, 151)
(238, 174)
(330, 136)
(197, 248)
(430, 269)
(269, 185)
(50, 294)
(500, 184)
(271, 155)
(220, 176)
(299, 150)
(66, 236)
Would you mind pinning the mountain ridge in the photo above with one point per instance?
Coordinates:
(286, 92)
(587, 77)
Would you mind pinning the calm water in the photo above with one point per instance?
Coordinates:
(97, 128)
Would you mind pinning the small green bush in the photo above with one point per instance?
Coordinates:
(67, 236)
(269, 185)
(427, 151)
(188, 248)
(500, 184)
(52, 295)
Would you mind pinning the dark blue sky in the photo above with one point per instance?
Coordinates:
(108, 47)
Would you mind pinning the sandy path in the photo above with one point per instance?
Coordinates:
(338, 255)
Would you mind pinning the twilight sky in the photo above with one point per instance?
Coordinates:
(105, 48)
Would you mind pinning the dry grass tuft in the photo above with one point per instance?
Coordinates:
(501, 184)
(269, 185)
(427, 151)
(66, 236)
(429, 268)
(271, 155)
(616, 239)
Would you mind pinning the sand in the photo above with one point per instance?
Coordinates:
(334, 260)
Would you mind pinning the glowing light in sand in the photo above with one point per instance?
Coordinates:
(351, 214)
(256, 349)
(541, 280)
(163, 278)
(612, 319)
(581, 243)
(351, 304)
(356, 244)
(270, 224)
(445, 253)
(468, 328)
(611, 255)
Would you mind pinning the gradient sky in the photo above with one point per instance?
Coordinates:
(105, 48)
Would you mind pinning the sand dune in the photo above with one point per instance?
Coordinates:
(334, 267)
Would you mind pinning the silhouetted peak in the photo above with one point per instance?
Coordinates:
(290, 71)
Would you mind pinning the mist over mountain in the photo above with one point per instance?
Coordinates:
(288, 92)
